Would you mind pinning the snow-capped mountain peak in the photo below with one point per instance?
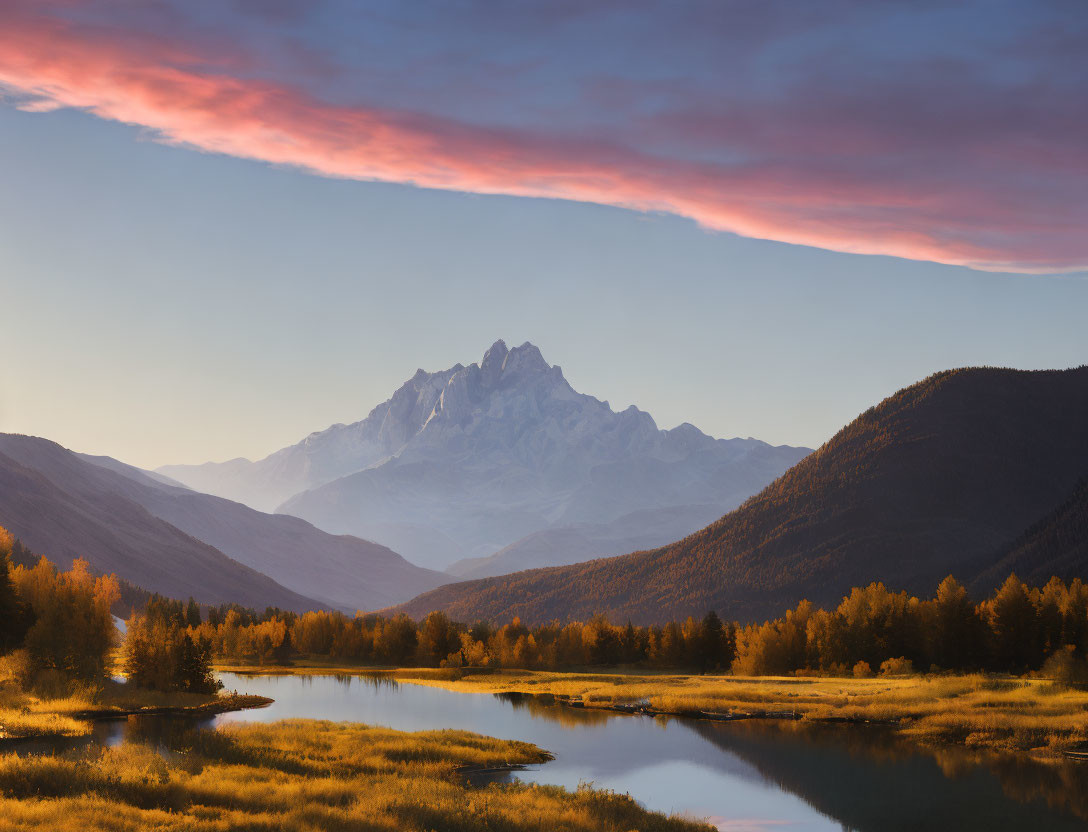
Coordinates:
(467, 460)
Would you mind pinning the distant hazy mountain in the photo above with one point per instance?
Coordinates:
(971, 472)
(64, 508)
(337, 571)
(467, 461)
(647, 529)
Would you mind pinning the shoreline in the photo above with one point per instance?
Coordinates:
(1026, 717)
(221, 705)
(226, 704)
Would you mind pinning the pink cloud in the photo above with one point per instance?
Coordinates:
(191, 99)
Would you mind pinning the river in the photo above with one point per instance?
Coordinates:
(741, 776)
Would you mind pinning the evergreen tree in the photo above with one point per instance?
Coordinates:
(1048, 610)
(955, 632)
(162, 655)
(194, 672)
(712, 653)
(192, 613)
(1013, 628)
(10, 617)
(1075, 616)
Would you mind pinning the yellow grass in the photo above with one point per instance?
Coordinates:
(305, 775)
(1011, 714)
(55, 706)
(1021, 715)
(24, 715)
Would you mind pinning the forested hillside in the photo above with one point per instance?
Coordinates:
(1056, 545)
(941, 477)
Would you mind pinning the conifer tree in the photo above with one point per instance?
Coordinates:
(9, 603)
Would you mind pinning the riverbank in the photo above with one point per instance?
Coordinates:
(26, 715)
(1026, 716)
(306, 774)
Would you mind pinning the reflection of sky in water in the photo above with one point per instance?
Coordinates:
(745, 777)
(663, 764)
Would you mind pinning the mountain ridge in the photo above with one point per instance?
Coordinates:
(937, 478)
(463, 462)
(325, 570)
(62, 526)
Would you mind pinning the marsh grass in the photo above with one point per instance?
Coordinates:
(25, 715)
(51, 704)
(1022, 715)
(305, 775)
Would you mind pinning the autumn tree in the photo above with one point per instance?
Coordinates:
(953, 629)
(774, 647)
(395, 640)
(437, 639)
(162, 654)
(1013, 627)
(73, 629)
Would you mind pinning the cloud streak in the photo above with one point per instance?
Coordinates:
(852, 173)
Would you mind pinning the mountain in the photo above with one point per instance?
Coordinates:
(1055, 545)
(68, 514)
(339, 570)
(466, 461)
(940, 478)
(188, 543)
(638, 530)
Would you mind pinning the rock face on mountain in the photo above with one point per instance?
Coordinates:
(464, 462)
(175, 541)
(970, 472)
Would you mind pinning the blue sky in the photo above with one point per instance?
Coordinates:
(169, 304)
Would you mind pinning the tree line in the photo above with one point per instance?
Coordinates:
(60, 626)
(1015, 630)
(62, 621)
(165, 650)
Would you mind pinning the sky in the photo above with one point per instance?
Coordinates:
(225, 225)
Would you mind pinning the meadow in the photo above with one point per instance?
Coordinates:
(1032, 716)
(306, 775)
(57, 706)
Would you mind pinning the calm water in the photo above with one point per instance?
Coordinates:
(742, 776)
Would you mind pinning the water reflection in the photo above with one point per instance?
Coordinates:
(546, 706)
(871, 779)
(742, 775)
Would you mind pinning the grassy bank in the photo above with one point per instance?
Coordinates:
(1022, 715)
(67, 712)
(305, 775)
(1031, 716)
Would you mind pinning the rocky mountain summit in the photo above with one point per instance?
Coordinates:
(466, 461)
(976, 472)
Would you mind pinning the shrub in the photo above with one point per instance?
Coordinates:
(896, 667)
(1066, 666)
(15, 670)
(862, 670)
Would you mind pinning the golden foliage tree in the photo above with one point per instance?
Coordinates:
(73, 629)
